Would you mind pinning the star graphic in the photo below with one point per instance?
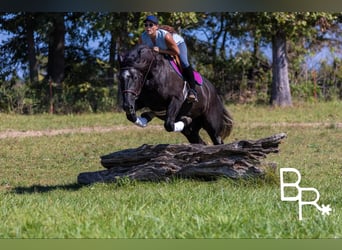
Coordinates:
(325, 209)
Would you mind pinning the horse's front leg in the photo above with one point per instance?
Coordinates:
(145, 117)
(170, 122)
(148, 116)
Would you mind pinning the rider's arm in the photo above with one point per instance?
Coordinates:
(172, 46)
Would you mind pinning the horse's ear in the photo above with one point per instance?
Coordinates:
(120, 58)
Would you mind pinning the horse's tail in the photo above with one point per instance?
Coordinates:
(227, 125)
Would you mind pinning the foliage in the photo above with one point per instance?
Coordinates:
(226, 47)
(15, 97)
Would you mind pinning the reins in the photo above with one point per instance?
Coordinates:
(136, 93)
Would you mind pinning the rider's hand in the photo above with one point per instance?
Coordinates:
(156, 49)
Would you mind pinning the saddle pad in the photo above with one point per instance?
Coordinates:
(197, 75)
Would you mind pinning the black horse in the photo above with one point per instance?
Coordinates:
(147, 80)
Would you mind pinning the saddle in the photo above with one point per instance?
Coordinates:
(175, 63)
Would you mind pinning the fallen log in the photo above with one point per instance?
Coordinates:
(240, 159)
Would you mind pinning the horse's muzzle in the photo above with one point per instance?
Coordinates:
(131, 117)
(129, 106)
(130, 113)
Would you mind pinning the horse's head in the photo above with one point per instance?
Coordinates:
(134, 67)
(131, 81)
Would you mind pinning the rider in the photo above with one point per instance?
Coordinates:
(162, 41)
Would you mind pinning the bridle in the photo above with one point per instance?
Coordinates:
(134, 91)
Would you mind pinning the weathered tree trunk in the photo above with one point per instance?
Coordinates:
(281, 94)
(161, 162)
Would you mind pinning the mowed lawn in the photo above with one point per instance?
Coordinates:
(40, 197)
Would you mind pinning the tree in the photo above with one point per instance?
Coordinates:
(276, 28)
(280, 93)
(279, 27)
(20, 47)
(56, 46)
(56, 59)
(31, 46)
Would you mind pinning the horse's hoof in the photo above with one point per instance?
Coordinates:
(169, 127)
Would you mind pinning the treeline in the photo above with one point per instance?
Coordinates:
(67, 62)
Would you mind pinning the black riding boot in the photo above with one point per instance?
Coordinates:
(188, 74)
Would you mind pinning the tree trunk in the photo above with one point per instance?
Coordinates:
(241, 159)
(281, 94)
(112, 55)
(56, 58)
(33, 65)
(121, 42)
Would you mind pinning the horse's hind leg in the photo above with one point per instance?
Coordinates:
(192, 134)
(216, 139)
(193, 138)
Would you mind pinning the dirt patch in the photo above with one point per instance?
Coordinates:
(54, 132)
(87, 130)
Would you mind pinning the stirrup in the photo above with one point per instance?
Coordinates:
(192, 97)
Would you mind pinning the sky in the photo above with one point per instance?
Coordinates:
(313, 61)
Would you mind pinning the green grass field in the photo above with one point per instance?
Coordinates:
(39, 197)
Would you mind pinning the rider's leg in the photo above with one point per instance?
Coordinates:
(187, 73)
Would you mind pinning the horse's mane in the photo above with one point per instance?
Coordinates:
(139, 57)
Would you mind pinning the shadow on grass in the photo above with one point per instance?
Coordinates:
(44, 189)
